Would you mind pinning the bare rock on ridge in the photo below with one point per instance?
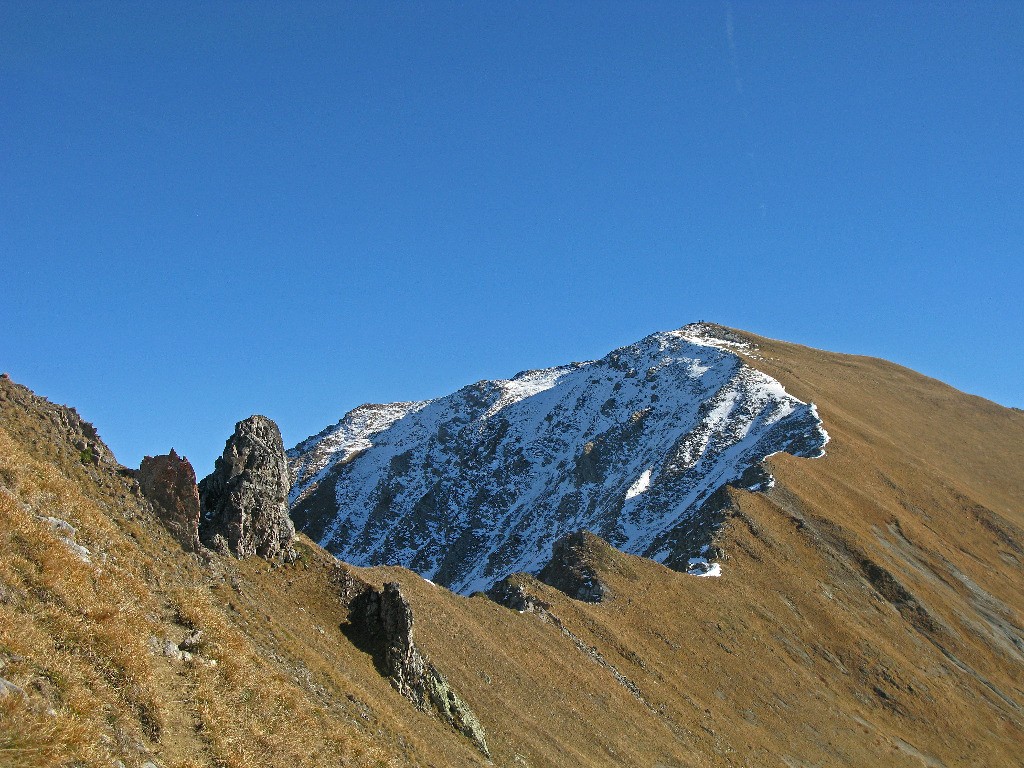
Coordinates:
(513, 592)
(385, 621)
(571, 568)
(64, 427)
(169, 483)
(244, 500)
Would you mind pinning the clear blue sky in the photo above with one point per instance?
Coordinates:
(214, 209)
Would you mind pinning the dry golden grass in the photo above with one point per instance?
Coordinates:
(76, 635)
(247, 708)
(72, 632)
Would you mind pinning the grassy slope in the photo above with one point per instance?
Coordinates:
(870, 613)
(75, 636)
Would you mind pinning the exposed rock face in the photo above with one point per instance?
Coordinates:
(243, 501)
(571, 567)
(385, 621)
(511, 593)
(169, 482)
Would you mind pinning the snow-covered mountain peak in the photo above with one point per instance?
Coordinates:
(470, 487)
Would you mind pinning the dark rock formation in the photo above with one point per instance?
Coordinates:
(169, 483)
(243, 501)
(571, 568)
(511, 593)
(384, 622)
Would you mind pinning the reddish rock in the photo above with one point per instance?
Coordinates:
(169, 483)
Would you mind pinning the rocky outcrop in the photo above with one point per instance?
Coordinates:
(169, 483)
(571, 568)
(384, 621)
(243, 501)
(512, 593)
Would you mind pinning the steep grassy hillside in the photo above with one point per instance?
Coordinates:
(870, 612)
(95, 598)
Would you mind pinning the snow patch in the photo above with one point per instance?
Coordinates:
(640, 486)
(699, 566)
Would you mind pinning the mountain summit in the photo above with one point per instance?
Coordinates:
(474, 486)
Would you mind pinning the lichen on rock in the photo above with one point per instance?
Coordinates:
(385, 622)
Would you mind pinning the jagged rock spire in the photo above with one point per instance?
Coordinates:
(244, 500)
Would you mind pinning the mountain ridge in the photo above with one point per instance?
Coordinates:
(633, 446)
(870, 613)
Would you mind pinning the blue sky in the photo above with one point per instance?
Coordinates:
(214, 209)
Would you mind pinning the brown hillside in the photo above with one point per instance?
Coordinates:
(870, 613)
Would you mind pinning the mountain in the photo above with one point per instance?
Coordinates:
(870, 611)
(636, 447)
